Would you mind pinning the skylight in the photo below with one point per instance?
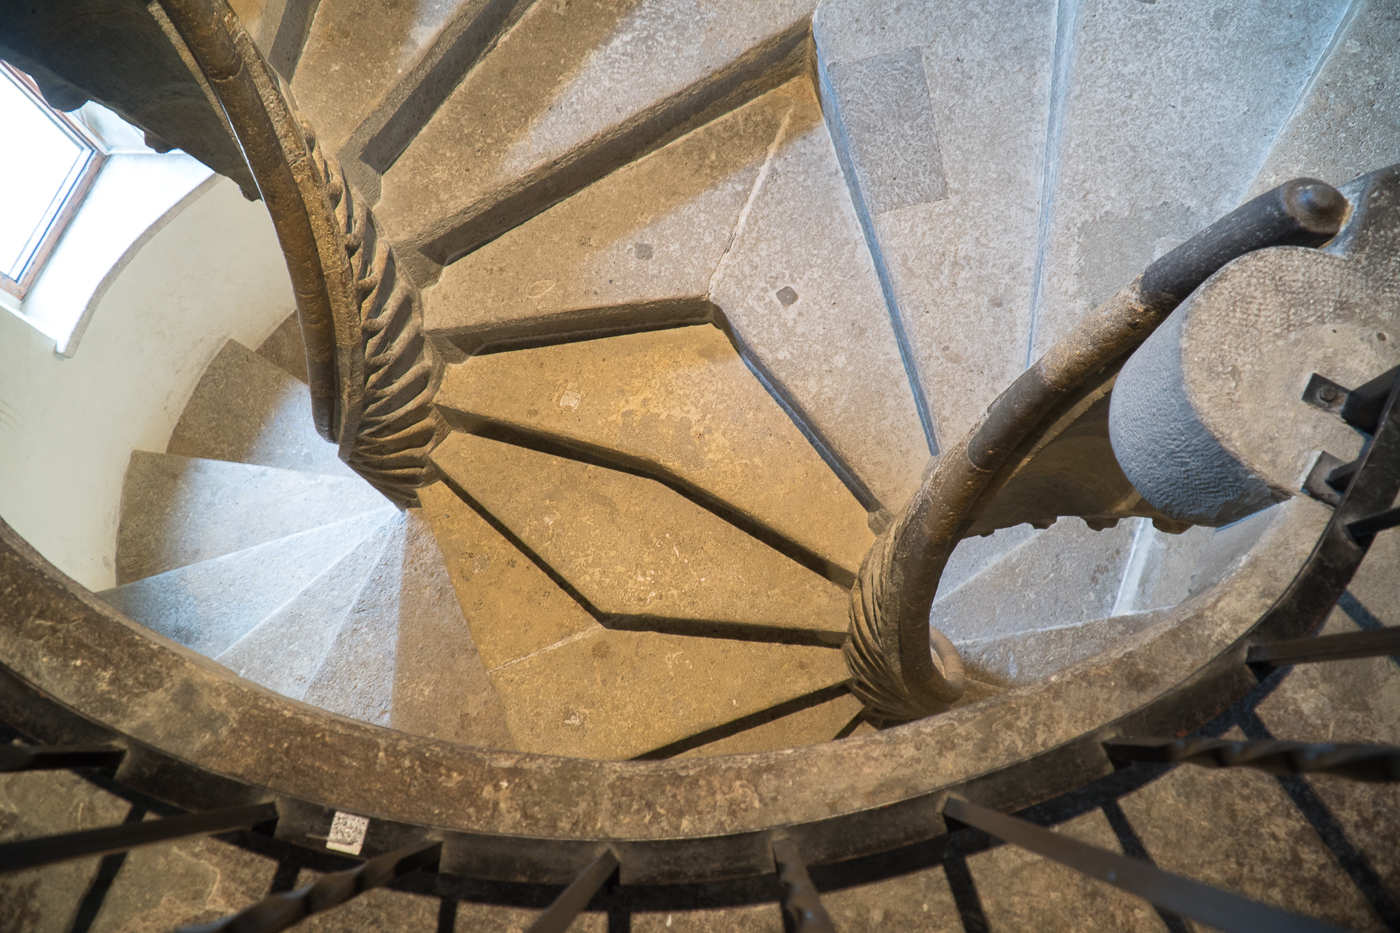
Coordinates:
(47, 164)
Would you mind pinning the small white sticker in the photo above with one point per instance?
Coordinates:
(347, 833)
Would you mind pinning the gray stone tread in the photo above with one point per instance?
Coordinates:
(178, 511)
(249, 410)
(680, 403)
(639, 551)
(285, 347)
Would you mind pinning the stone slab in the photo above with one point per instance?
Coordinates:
(608, 79)
(639, 552)
(942, 112)
(1028, 657)
(820, 723)
(375, 910)
(247, 409)
(800, 291)
(284, 651)
(356, 679)
(641, 242)
(1020, 890)
(440, 685)
(1161, 568)
(1065, 575)
(178, 511)
(1168, 114)
(616, 694)
(681, 405)
(210, 605)
(1347, 122)
(285, 347)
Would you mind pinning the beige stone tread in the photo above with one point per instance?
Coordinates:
(680, 404)
(178, 511)
(801, 292)
(822, 722)
(248, 410)
(570, 686)
(284, 651)
(640, 553)
(210, 605)
(598, 95)
(638, 245)
(285, 347)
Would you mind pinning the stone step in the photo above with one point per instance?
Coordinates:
(210, 605)
(679, 405)
(569, 686)
(643, 556)
(603, 88)
(285, 347)
(1344, 124)
(248, 410)
(1031, 656)
(178, 511)
(810, 725)
(284, 651)
(762, 238)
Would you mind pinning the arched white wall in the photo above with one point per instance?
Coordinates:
(68, 426)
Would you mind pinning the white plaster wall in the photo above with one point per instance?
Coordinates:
(68, 426)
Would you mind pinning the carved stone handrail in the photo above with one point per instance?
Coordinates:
(889, 654)
(372, 373)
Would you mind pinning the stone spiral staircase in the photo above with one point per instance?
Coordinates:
(713, 282)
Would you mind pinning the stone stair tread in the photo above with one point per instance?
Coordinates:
(1344, 126)
(810, 726)
(570, 686)
(285, 347)
(248, 410)
(801, 292)
(210, 605)
(286, 649)
(1032, 656)
(644, 240)
(638, 551)
(679, 403)
(600, 92)
(1236, 70)
(178, 511)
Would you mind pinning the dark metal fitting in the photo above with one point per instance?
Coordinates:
(1316, 205)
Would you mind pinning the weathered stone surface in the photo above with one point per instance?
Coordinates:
(1348, 120)
(680, 404)
(1020, 890)
(284, 651)
(165, 887)
(1026, 657)
(756, 918)
(42, 803)
(178, 511)
(1161, 567)
(513, 608)
(800, 291)
(571, 687)
(920, 900)
(970, 86)
(1168, 113)
(612, 694)
(285, 347)
(820, 723)
(245, 408)
(639, 552)
(440, 685)
(374, 910)
(607, 80)
(210, 605)
(640, 244)
(1065, 575)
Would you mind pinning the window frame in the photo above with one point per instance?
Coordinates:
(18, 288)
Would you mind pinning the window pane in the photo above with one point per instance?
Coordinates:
(39, 163)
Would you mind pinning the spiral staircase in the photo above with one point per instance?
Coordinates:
(709, 285)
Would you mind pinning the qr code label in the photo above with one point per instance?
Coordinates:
(348, 833)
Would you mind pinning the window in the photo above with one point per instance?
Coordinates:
(48, 161)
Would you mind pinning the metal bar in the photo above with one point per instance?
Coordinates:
(1362, 409)
(280, 911)
(802, 905)
(58, 757)
(567, 906)
(1375, 644)
(1220, 909)
(32, 853)
(1374, 763)
(1369, 526)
